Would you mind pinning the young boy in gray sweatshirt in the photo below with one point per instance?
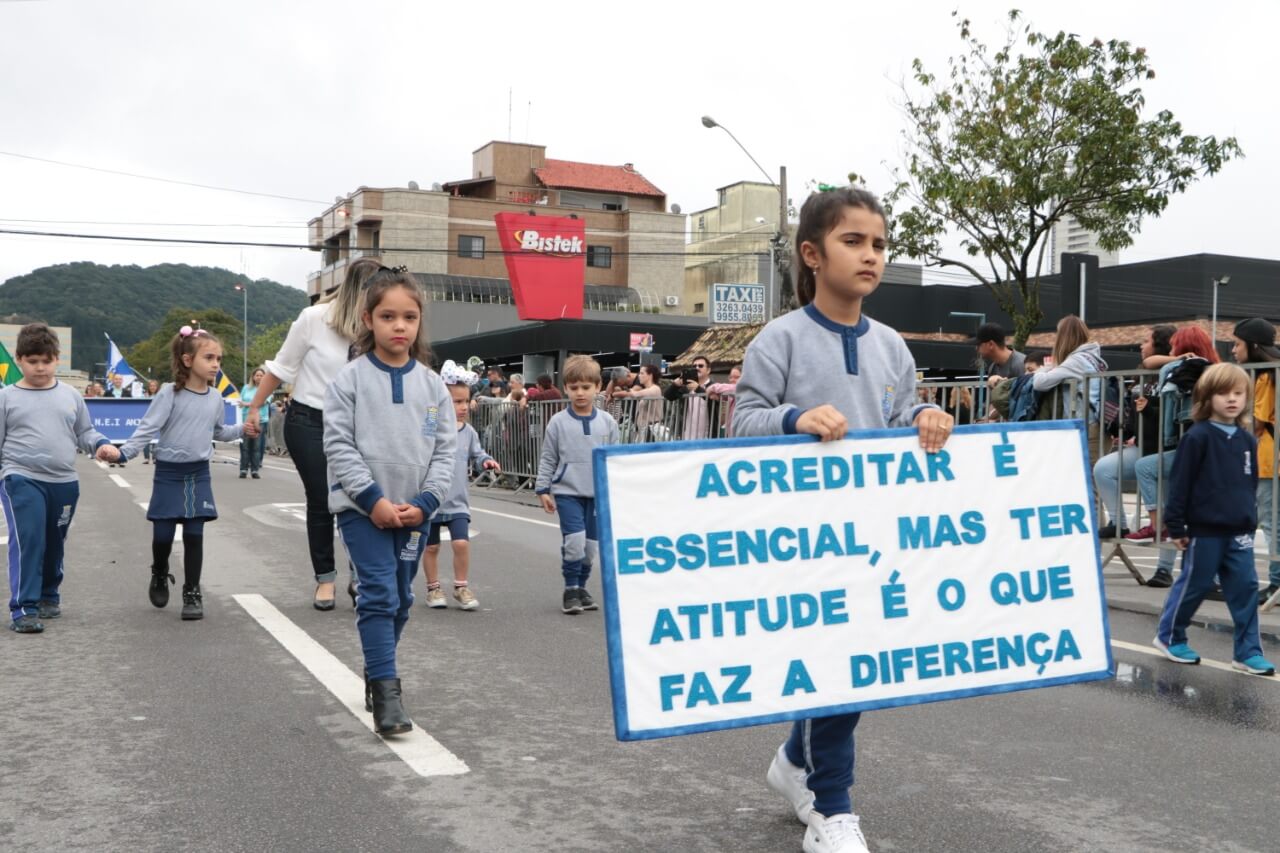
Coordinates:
(565, 478)
(42, 422)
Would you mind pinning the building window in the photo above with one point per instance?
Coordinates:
(699, 307)
(470, 247)
(375, 241)
(599, 256)
(724, 198)
(612, 205)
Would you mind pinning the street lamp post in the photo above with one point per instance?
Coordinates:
(1220, 281)
(244, 367)
(777, 248)
(979, 404)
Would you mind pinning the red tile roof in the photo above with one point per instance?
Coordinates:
(566, 174)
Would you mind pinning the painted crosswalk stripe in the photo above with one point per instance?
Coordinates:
(516, 517)
(423, 753)
(1154, 652)
(119, 481)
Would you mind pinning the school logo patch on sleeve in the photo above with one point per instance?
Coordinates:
(886, 402)
(431, 422)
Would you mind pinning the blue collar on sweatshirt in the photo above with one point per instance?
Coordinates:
(396, 374)
(849, 335)
(585, 420)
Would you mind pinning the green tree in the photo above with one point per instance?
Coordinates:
(267, 344)
(152, 357)
(1011, 142)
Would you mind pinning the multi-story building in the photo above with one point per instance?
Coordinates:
(1068, 235)
(730, 243)
(447, 235)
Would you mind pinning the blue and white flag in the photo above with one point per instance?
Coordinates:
(117, 366)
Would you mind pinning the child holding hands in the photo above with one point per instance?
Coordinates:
(42, 422)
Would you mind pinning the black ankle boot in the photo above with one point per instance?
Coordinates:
(192, 604)
(368, 692)
(388, 714)
(159, 588)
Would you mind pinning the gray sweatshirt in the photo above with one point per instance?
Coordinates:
(389, 432)
(184, 424)
(565, 466)
(802, 360)
(1083, 360)
(40, 429)
(468, 452)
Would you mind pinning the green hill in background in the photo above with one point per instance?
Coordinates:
(129, 302)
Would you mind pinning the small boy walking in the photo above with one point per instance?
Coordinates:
(565, 482)
(1212, 513)
(42, 422)
(455, 512)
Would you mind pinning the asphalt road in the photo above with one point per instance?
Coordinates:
(127, 729)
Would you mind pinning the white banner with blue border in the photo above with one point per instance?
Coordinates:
(760, 580)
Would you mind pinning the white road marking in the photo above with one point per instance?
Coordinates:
(423, 753)
(119, 481)
(1212, 664)
(517, 517)
(100, 464)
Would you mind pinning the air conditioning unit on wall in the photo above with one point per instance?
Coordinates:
(672, 301)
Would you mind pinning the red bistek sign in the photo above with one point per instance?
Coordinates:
(547, 263)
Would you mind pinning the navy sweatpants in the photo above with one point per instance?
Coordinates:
(579, 547)
(1230, 558)
(38, 515)
(386, 562)
(824, 747)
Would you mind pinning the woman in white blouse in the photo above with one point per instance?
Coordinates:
(316, 348)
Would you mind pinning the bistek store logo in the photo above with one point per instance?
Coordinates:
(546, 261)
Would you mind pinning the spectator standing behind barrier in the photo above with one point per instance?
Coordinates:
(1075, 357)
(252, 447)
(647, 411)
(1212, 513)
(545, 390)
(690, 386)
(1006, 362)
(313, 352)
(1033, 362)
(725, 393)
(1188, 343)
(1255, 343)
(1141, 437)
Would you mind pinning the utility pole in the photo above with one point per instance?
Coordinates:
(782, 258)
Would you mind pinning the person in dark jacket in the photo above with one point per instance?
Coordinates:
(1212, 513)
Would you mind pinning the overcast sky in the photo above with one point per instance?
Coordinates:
(313, 99)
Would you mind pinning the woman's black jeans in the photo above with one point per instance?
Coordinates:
(304, 437)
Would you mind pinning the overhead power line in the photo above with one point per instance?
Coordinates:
(159, 179)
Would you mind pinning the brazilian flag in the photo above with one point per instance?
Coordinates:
(9, 372)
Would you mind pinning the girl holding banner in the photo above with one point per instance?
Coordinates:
(787, 388)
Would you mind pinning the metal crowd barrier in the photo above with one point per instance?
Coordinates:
(1127, 437)
(512, 434)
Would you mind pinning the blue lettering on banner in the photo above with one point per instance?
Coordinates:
(702, 691)
(728, 548)
(985, 654)
(1003, 455)
(1052, 520)
(719, 618)
(810, 474)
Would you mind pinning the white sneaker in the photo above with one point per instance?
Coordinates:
(791, 782)
(435, 598)
(836, 834)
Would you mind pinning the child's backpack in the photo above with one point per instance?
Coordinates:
(1175, 398)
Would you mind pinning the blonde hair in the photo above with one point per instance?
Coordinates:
(581, 368)
(1071, 335)
(1219, 379)
(348, 299)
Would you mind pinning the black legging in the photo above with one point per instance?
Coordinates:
(304, 437)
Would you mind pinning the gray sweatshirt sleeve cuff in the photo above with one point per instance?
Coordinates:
(370, 496)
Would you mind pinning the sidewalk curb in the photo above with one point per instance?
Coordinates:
(1209, 624)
